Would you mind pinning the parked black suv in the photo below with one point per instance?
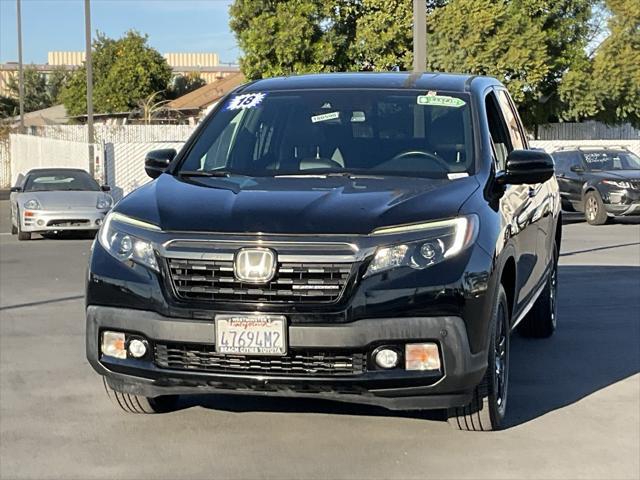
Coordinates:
(371, 238)
(601, 182)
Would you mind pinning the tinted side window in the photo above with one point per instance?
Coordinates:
(517, 139)
(563, 161)
(498, 130)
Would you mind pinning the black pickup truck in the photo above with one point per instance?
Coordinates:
(370, 238)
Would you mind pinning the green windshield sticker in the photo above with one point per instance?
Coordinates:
(440, 101)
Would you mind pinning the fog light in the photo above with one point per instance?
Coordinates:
(113, 344)
(99, 221)
(40, 222)
(386, 358)
(137, 348)
(422, 356)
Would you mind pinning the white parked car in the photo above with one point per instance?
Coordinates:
(51, 200)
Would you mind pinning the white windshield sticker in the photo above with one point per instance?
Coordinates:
(455, 176)
(440, 101)
(357, 117)
(325, 116)
(248, 100)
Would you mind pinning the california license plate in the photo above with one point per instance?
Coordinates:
(251, 334)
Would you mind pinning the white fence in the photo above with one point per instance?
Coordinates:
(587, 131)
(116, 133)
(124, 165)
(5, 163)
(29, 152)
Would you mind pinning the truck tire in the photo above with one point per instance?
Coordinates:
(137, 404)
(594, 211)
(542, 319)
(488, 405)
(14, 229)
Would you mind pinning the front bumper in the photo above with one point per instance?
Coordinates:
(622, 202)
(395, 389)
(58, 220)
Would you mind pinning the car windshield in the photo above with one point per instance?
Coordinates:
(611, 160)
(60, 180)
(314, 132)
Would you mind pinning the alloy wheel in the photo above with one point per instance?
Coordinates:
(501, 359)
(592, 208)
(553, 294)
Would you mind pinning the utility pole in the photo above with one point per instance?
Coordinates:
(89, 68)
(419, 35)
(20, 71)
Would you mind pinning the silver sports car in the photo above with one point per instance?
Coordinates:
(52, 200)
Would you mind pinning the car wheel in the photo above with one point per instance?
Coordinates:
(542, 319)
(137, 404)
(22, 235)
(488, 405)
(14, 229)
(594, 210)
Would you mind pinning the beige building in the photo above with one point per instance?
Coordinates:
(207, 65)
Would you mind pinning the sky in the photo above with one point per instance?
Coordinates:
(172, 26)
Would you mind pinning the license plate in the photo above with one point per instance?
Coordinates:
(251, 334)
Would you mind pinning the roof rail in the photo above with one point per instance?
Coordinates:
(592, 147)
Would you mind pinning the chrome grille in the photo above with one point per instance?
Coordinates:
(201, 357)
(214, 280)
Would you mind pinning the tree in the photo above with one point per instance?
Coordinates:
(8, 107)
(183, 84)
(36, 94)
(281, 37)
(528, 44)
(125, 71)
(606, 87)
(56, 81)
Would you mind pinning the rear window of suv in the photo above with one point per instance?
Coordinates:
(381, 132)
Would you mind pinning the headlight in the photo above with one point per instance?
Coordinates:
(32, 204)
(617, 183)
(125, 246)
(440, 240)
(103, 203)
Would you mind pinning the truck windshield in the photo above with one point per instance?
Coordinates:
(315, 132)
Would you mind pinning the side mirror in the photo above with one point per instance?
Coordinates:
(157, 161)
(576, 168)
(105, 188)
(15, 189)
(527, 167)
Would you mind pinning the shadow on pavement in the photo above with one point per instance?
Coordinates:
(596, 345)
(596, 249)
(41, 302)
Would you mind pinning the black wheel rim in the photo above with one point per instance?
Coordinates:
(501, 353)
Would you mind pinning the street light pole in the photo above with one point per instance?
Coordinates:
(20, 71)
(419, 35)
(89, 68)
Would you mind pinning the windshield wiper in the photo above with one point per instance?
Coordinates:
(312, 173)
(204, 173)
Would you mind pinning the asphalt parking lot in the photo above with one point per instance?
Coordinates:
(574, 404)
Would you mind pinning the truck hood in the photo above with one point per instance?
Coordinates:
(294, 205)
